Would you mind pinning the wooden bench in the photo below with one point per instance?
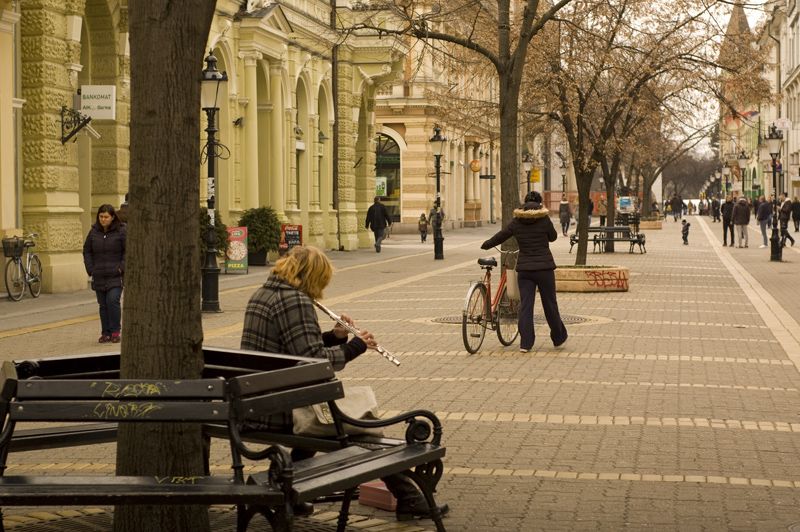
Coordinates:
(287, 383)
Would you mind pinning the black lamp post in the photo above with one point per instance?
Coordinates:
(742, 160)
(774, 141)
(437, 146)
(212, 79)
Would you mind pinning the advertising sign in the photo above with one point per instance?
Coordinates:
(625, 204)
(536, 174)
(291, 236)
(236, 257)
(380, 186)
(99, 101)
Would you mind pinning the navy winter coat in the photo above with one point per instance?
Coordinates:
(534, 231)
(104, 256)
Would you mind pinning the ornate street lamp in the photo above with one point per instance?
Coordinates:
(437, 147)
(213, 83)
(726, 172)
(527, 164)
(742, 159)
(774, 140)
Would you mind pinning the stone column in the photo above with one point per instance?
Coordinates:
(277, 141)
(250, 199)
(468, 182)
(9, 215)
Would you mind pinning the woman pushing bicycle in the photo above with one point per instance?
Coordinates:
(534, 231)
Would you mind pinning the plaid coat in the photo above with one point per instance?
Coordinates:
(282, 319)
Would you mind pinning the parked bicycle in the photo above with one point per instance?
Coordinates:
(482, 312)
(19, 271)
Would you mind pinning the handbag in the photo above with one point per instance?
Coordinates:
(359, 402)
(512, 285)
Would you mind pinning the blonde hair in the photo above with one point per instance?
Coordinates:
(305, 268)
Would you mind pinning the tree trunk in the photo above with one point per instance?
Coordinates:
(648, 181)
(584, 185)
(612, 208)
(509, 173)
(163, 330)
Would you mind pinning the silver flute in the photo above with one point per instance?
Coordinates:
(352, 330)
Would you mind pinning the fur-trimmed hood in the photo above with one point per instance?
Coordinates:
(531, 211)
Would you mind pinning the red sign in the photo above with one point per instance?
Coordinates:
(291, 236)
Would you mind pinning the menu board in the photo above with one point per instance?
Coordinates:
(236, 257)
(291, 236)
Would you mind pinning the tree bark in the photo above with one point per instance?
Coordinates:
(163, 334)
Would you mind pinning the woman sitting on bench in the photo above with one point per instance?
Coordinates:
(281, 318)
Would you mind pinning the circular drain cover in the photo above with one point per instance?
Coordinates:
(566, 318)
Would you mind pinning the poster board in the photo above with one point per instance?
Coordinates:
(625, 204)
(380, 186)
(291, 236)
(236, 257)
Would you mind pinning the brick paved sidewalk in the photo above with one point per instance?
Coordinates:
(673, 406)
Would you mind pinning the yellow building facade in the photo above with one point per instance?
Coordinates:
(304, 117)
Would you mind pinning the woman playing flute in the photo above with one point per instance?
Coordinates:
(281, 318)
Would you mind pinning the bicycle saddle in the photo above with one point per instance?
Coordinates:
(489, 261)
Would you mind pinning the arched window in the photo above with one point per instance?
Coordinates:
(387, 174)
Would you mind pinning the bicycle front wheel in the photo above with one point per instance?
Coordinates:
(15, 280)
(473, 321)
(507, 310)
(35, 276)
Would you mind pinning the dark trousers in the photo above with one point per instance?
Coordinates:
(716, 215)
(545, 281)
(727, 225)
(378, 237)
(796, 224)
(564, 227)
(785, 233)
(110, 311)
(602, 220)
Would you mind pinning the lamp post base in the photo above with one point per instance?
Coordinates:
(776, 252)
(210, 284)
(438, 247)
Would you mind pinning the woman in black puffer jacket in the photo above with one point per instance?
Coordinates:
(104, 258)
(534, 231)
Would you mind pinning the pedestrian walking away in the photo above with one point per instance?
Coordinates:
(590, 209)
(534, 231)
(727, 220)
(423, 227)
(104, 259)
(378, 220)
(602, 210)
(763, 215)
(676, 206)
(281, 318)
(122, 212)
(564, 214)
(783, 218)
(741, 219)
(685, 232)
(796, 214)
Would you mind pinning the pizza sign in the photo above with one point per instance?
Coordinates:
(236, 257)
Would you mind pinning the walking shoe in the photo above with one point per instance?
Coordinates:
(523, 350)
(724, 244)
(762, 246)
(303, 509)
(417, 509)
(115, 338)
(104, 339)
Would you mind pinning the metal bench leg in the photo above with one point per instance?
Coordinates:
(344, 512)
(426, 477)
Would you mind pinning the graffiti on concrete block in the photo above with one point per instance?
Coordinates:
(607, 279)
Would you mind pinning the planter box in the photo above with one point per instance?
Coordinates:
(649, 225)
(592, 279)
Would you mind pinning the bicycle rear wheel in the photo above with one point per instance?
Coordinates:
(35, 276)
(507, 320)
(473, 321)
(15, 280)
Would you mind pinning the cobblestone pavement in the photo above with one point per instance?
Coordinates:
(673, 406)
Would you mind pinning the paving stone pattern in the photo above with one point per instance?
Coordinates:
(675, 406)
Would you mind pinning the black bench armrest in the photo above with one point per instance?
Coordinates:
(418, 430)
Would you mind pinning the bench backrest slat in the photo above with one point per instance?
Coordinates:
(145, 410)
(267, 381)
(257, 407)
(121, 389)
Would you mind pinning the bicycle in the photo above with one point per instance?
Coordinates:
(21, 272)
(481, 311)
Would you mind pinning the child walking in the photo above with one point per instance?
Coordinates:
(423, 227)
(685, 232)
